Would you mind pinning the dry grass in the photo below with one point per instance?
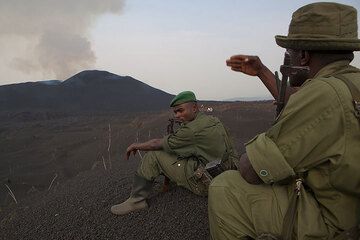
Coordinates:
(11, 193)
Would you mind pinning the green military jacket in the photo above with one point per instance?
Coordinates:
(202, 140)
(317, 135)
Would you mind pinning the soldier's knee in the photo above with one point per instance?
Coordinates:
(148, 166)
(220, 186)
(150, 157)
(150, 154)
(227, 185)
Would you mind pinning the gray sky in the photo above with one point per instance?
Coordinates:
(172, 45)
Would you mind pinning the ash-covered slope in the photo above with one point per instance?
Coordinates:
(77, 206)
(86, 91)
(80, 209)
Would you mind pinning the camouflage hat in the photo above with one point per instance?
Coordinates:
(183, 97)
(322, 26)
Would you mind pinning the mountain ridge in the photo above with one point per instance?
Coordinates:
(86, 91)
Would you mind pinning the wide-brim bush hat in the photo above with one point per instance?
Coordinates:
(322, 26)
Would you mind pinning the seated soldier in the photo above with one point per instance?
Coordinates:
(300, 179)
(200, 139)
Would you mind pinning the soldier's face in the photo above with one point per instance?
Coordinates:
(185, 112)
(296, 60)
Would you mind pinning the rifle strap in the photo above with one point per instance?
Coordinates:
(291, 213)
(355, 93)
(169, 130)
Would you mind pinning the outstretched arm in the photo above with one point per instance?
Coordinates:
(151, 145)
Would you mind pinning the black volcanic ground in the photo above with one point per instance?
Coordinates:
(54, 160)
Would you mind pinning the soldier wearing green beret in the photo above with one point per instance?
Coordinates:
(301, 178)
(200, 139)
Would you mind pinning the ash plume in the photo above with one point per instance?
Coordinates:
(51, 37)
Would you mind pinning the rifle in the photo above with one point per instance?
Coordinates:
(169, 130)
(286, 71)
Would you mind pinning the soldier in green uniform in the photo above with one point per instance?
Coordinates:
(314, 146)
(199, 140)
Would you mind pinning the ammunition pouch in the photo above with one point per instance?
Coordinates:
(201, 175)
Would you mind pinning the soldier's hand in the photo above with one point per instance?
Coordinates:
(131, 149)
(250, 65)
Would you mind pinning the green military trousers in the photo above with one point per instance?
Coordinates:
(180, 171)
(238, 209)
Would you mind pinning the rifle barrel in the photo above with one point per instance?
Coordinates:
(284, 79)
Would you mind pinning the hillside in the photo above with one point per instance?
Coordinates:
(56, 169)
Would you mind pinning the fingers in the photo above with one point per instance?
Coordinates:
(129, 150)
(128, 153)
(237, 69)
(239, 58)
(237, 63)
(238, 66)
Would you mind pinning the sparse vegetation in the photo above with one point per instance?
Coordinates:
(11, 193)
(109, 146)
(52, 181)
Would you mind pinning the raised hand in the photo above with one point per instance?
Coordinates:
(131, 149)
(250, 65)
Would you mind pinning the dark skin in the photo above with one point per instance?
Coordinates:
(183, 113)
(315, 60)
(251, 65)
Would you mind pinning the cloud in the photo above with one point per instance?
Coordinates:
(53, 34)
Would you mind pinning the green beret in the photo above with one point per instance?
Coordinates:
(183, 97)
(322, 26)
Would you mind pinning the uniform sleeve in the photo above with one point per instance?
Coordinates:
(306, 133)
(267, 159)
(181, 143)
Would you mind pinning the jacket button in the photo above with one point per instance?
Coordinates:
(263, 173)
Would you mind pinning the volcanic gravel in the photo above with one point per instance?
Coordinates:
(80, 209)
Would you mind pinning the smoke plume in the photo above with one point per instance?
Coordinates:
(52, 36)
